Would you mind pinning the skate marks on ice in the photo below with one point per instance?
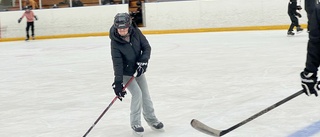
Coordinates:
(137, 134)
(65, 83)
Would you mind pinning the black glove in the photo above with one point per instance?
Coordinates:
(309, 83)
(299, 7)
(36, 17)
(19, 20)
(299, 15)
(117, 87)
(142, 67)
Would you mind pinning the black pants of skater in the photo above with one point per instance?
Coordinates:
(309, 17)
(294, 22)
(30, 24)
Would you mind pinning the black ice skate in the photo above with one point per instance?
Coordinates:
(290, 33)
(27, 38)
(157, 126)
(138, 130)
(299, 29)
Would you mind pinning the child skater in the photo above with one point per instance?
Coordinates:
(30, 18)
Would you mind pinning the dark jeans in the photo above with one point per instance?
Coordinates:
(30, 24)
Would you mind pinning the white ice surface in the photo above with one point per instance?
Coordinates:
(59, 87)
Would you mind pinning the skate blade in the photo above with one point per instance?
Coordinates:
(158, 130)
(290, 34)
(137, 134)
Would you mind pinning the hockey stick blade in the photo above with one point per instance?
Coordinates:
(196, 124)
(214, 132)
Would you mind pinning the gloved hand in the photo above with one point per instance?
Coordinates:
(299, 15)
(117, 87)
(36, 17)
(19, 20)
(142, 67)
(309, 83)
(299, 7)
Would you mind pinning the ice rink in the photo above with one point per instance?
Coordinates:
(59, 87)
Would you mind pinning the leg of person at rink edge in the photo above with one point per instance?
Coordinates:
(32, 30)
(27, 30)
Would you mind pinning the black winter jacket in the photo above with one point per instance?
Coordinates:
(292, 8)
(125, 55)
(313, 54)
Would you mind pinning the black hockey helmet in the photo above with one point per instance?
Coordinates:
(27, 7)
(122, 20)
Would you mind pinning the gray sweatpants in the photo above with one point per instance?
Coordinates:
(140, 99)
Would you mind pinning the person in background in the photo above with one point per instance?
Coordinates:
(309, 78)
(309, 7)
(137, 15)
(292, 12)
(107, 2)
(33, 4)
(130, 52)
(77, 3)
(55, 6)
(30, 21)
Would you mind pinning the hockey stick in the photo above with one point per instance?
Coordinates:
(114, 99)
(214, 132)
